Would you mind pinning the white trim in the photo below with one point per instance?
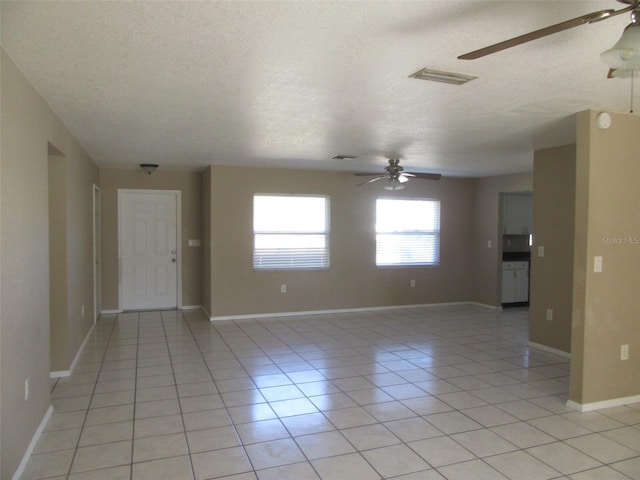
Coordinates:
(486, 305)
(110, 312)
(325, 312)
(67, 373)
(191, 307)
(615, 402)
(34, 441)
(178, 196)
(544, 348)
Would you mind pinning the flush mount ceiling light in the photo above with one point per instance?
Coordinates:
(625, 54)
(149, 167)
(442, 77)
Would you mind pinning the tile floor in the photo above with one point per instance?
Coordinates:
(414, 394)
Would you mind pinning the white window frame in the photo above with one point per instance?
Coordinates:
(291, 261)
(409, 236)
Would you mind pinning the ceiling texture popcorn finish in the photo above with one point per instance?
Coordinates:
(293, 84)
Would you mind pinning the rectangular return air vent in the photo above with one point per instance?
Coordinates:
(442, 77)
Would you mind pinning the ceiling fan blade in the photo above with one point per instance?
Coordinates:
(426, 176)
(402, 178)
(366, 174)
(372, 180)
(543, 32)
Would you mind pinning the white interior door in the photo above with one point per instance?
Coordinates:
(149, 256)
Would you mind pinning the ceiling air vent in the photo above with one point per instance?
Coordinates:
(442, 77)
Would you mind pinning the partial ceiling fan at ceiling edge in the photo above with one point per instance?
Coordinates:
(396, 176)
(550, 30)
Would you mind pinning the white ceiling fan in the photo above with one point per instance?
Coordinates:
(396, 176)
(624, 56)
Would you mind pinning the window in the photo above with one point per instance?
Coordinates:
(407, 232)
(291, 232)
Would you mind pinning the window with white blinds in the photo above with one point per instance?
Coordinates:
(407, 232)
(290, 232)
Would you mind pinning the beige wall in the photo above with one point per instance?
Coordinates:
(554, 180)
(486, 262)
(206, 240)
(352, 281)
(606, 304)
(28, 126)
(190, 184)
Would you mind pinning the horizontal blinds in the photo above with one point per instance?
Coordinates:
(290, 232)
(407, 249)
(407, 232)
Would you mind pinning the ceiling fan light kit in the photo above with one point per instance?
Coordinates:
(625, 54)
(396, 176)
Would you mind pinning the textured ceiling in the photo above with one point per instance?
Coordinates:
(291, 84)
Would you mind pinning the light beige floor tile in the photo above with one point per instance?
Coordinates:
(65, 420)
(523, 435)
(157, 409)
(274, 453)
(162, 446)
(212, 439)
(71, 404)
(601, 448)
(48, 465)
(473, 470)
(307, 424)
(452, 422)
(290, 408)
(388, 411)
(489, 416)
(350, 417)
(102, 456)
(107, 433)
(150, 427)
(395, 460)
(296, 471)
(110, 399)
(332, 401)
(200, 403)
(263, 431)
(206, 419)
(113, 473)
(220, 463)
(103, 415)
(334, 468)
(326, 444)
(58, 440)
(483, 443)
(600, 473)
(439, 451)
(251, 413)
(521, 466)
(563, 457)
(559, 427)
(627, 436)
(176, 468)
(368, 437)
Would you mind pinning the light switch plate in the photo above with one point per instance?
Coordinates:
(541, 251)
(194, 243)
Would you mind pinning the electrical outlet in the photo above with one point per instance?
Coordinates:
(624, 352)
(26, 389)
(82, 311)
(489, 244)
(413, 283)
(541, 251)
(597, 264)
(549, 314)
(283, 288)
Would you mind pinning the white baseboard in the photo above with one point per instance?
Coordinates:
(110, 312)
(615, 402)
(325, 312)
(544, 348)
(191, 307)
(34, 441)
(486, 305)
(67, 373)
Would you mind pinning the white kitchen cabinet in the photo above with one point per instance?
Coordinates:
(517, 210)
(515, 282)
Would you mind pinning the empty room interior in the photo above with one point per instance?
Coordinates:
(316, 240)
